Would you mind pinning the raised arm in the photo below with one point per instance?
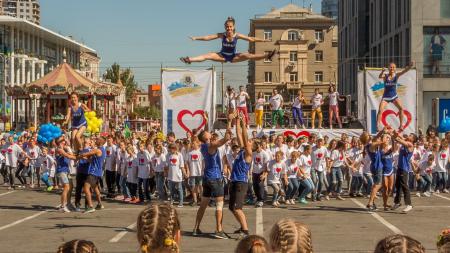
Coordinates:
(410, 66)
(247, 144)
(207, 37)
(381, 76)
(85, 108)
(247, 38)
(68, 116)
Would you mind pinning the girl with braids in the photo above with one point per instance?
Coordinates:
(228, 52)
(78, 246)
(158, 229)
(399, 243)
(289, 236)
(253, 244)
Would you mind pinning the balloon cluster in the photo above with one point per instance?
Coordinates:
(94, 124)
(48, 132)
(445, 125)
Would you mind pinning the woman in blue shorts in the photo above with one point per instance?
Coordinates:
(387, 160)
(390, 92)
(228, 52)
(75, 114)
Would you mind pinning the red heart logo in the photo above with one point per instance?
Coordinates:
(9, 150)
(108, 152)
(130, 163)
(52, 152)
(173, 160)
(258, 159)
(32, 153)
(278, 170)
(389, 112)
(155, 161)
(45, 163)
(194, 157)
(443, 155)
(341, 157)
(142, 160)
(295, 169)
(296, 135)
(309, 162)
(181, 115)
(3, 151)
(320, 155)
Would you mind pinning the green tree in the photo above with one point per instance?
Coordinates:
(126, 77)
(148, 112)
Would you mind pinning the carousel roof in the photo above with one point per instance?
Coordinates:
(63, 80)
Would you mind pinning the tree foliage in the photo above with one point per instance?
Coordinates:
(126, 77)
(148, 112)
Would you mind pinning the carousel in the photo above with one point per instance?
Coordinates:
(47, 99)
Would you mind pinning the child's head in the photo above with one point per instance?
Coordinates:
(443, 243)
(44, 151)
(294, 155)
(290, 236)
(78, 246)
(141, 146)
(307, 149)
(278, 156)
(229, 24)
(173, 148)
(253, 244)
(399, 243)
(158, 229)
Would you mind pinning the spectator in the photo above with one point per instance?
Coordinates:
(316, 102)
(259, 110)
(276, 101)
(297, 114)
(333, 99)
(242, 103)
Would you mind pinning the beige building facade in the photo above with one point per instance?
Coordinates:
(23, 9)
(307, 46)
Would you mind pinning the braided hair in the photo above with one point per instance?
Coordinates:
(289, 236)
(78, 246)
(253, 244)
(399, 243)
(157, 226)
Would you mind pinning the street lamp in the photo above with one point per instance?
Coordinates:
(3, 86)
(34, 96)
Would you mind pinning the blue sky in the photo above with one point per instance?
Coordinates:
(142, 34)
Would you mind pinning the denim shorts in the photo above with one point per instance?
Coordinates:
(377, 176)
(213, 188)
(63, 177)
(195, 181)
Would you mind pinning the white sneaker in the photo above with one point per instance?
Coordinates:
(303, 126)
(418, 194)
(427, 194)
(295, 126)
(407, 209)
(64, 209)
(437, 192)
(445, 191)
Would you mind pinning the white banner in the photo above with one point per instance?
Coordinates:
(186, 95)
(407, 93)
(297, 133)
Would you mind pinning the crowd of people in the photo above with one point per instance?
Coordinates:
(159, 230)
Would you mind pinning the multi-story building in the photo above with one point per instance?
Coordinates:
(30, 51)
(376, 32)
(24, 9)
(307, 46)
(154, 95)
(141, 98)
(330, 8)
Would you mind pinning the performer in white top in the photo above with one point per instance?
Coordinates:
(333, 98)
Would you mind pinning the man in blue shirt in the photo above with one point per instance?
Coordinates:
(97, 157)
(239, 175)
(212, 179)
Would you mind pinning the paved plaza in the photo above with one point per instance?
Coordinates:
(30, 223)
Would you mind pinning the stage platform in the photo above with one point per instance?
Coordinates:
(297, 133)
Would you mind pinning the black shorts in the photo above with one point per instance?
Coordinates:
(92, 180)
(238, 191)
(213, 188)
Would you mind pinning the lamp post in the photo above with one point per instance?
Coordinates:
(34, 96)
(3, 85)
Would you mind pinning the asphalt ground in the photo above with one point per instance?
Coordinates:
(29, 222)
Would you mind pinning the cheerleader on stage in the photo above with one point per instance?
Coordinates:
(228, 52)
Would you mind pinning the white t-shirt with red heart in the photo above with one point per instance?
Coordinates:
(110, 158)
(337, 158)
(292, 168)
(175, 163)
(144, 159)
(194, 159)
(306, 164)
(158, 162)
(426, 169)
(34, 154)
(275, 171)
(442, 160)
(319, 158)
(132, 165)
(12, 154)
(260, 160)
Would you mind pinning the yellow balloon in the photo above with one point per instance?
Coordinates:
(89, 129)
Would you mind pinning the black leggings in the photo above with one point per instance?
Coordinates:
(258, 187)
(111, 181)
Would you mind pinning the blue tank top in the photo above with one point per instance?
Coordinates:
(240, 170)
(228, 48)
(404, 156)
(83, 164)
(390, 87)
(78, 118)
(96, 164)
(62, 164)
(387, 160)
(213, 165)
(375, 159)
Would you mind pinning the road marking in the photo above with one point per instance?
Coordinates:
(379, 218)
(431, 206)
(23, 220)
(6, 193)
(122, 234)
(259, 222)
(438, 195)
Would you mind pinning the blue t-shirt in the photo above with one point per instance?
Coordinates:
(213, 165)
(390, 87)
(62, 164)
(239, 173)
(404, 156)
(96, 164)
(387, 160)
(375, 159)
(83, 164)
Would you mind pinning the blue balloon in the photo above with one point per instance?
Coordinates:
(44, 140)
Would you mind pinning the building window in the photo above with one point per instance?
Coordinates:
(293, 55)
(293, 77)
(319, 35)
(435, 55)
(319, 55)
(318, 77)
(266, 59)
(267, 96)
(268, 34)
(445, 9)
(292, 35)
(267, 77)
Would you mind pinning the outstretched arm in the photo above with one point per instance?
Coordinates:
(85, 108)
(68, 116)
(411, 65)
(207, 37)
(247, 38)
(381, 76)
